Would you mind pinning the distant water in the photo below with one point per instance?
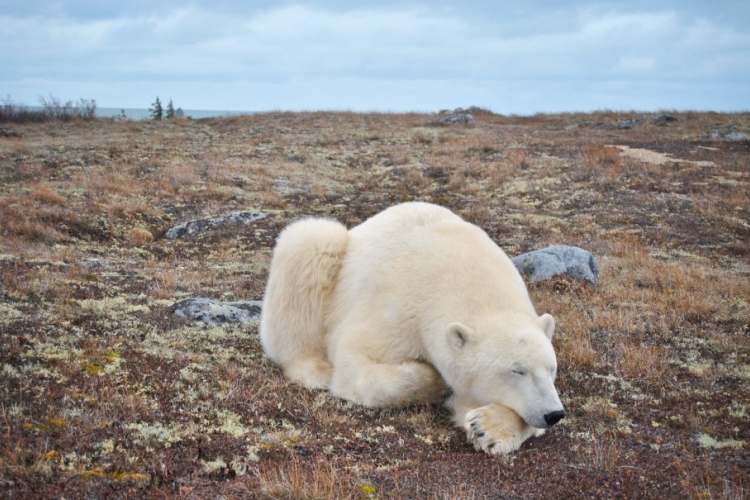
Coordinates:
(143, 114)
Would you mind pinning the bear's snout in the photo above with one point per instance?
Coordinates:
(554, 417)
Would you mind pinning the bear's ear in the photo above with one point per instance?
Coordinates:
(458, 335)
(547, 322)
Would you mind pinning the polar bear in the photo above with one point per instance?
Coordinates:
(411, 305)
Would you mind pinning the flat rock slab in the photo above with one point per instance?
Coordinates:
(543, 264)
(218, 313)
(191, 227)
(728, 135)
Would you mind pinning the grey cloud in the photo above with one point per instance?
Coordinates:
(326, 51)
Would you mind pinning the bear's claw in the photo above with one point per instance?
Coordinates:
(489, 429)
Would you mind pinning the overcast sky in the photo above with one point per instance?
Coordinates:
(512, 57)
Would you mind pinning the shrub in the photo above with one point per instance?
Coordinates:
(52, 108)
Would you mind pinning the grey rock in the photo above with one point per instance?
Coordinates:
(181, 230)
(664, 118)
(457, 119)
(543, 264)
(9, 132)
(629, 123)
(736, 136)
(729, 135)
(93, 263)
(218, 313)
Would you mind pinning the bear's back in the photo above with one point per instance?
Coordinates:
(402, 219)
(415, 257)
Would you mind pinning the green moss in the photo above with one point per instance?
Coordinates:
(93, 368)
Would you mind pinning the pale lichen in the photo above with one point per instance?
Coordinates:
(737, 409)
(707, 441)
(157, 435)
(9, 313)
(113, 304)
(10, 370)
(242, 463)
(106, 447)
(230, 423)
(214, 465)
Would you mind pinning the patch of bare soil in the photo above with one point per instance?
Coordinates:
(104, 393)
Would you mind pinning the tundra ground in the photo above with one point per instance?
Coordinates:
(105, 394)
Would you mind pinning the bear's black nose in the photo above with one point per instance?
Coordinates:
(554, 417)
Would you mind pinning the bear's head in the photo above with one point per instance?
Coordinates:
(509, 361)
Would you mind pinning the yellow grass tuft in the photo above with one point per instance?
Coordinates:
(44, 193)
(139, 236)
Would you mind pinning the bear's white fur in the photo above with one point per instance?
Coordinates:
(409, 305)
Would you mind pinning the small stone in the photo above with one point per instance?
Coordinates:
(93, 263)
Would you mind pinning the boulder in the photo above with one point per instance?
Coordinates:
(181, 230)
(9, 132)
(736, 136)
(664, 118)
(729, 135)
(543, 264)
(456, 119)
(629, 123)
(218, 313)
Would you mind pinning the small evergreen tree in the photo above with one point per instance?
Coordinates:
(170, 110)
(156, 110)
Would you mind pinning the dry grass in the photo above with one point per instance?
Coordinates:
(300, 481)
(103, 393)
(602, 454)
(43, 193)
(139, 236)
(643, 363)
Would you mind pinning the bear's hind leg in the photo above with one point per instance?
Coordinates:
(373, 384)
(313, 373)
(304, 270)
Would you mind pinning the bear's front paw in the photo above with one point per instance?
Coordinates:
(496, 430)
